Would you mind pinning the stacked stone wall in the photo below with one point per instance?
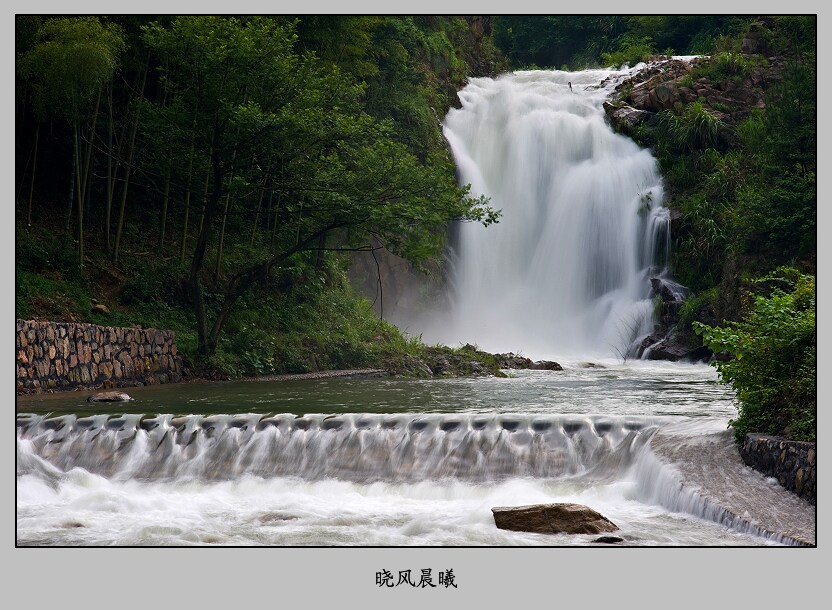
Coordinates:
(59, 355)
(792, 463)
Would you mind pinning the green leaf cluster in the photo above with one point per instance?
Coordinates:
(773, 358)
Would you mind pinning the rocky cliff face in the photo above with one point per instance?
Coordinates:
(672, 84)
(729, 87)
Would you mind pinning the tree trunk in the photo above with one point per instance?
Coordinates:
(205, 347)
(71, 197)
(260, 205)
(204, 200)
(112, 170)
(134, 129)
(319, 255)
(240, 284)
(164, 220)
(276, 217)
(187, 204)
(80, 192)
(222, 239)
(85, 184)
(84, 178)
(32, 183)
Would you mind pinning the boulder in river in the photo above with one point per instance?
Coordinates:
(110, 397)
(559, 518)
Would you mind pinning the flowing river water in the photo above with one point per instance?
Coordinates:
(370, 462)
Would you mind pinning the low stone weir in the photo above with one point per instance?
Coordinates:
(354, 447)
(59, 355)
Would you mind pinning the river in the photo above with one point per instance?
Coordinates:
(366, 462)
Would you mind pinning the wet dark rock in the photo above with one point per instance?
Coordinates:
(608, 540)
(559, 518)
(659, 347)
(626, 118)
(664, 290)
(512, 361)
(110, 397)
(148, 423)
(545, 365)
(440, 366)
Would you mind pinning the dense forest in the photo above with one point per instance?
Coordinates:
(216, 176)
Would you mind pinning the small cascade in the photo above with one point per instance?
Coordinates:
(660, 484)
(353, 447)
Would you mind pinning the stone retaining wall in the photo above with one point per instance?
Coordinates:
(58, 355)
(792, 463)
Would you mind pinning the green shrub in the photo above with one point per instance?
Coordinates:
(697, 307)
(726, 65)
(632, 49)
(695, 129)
(50, 296)
(773, 358)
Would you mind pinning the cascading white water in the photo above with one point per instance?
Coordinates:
(356, 447)
(566, 270)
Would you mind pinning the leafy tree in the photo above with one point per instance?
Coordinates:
(687, 34)
(262, 115)
(554, 40)
(773, 364)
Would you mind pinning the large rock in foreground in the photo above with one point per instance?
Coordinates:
(552, 519)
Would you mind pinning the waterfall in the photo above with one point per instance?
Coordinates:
(567, 269)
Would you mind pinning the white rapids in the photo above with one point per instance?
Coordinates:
(420, 473)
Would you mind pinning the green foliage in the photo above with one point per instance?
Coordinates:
(773, 358)
(687, 34)
(694, 129)
(36, 254)
(554, 40)
(590, 40)
(151, 282)
(725, 65)
(50, 295)
(747, 195)
(698, 307)
(71, 59)
(631, 50)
